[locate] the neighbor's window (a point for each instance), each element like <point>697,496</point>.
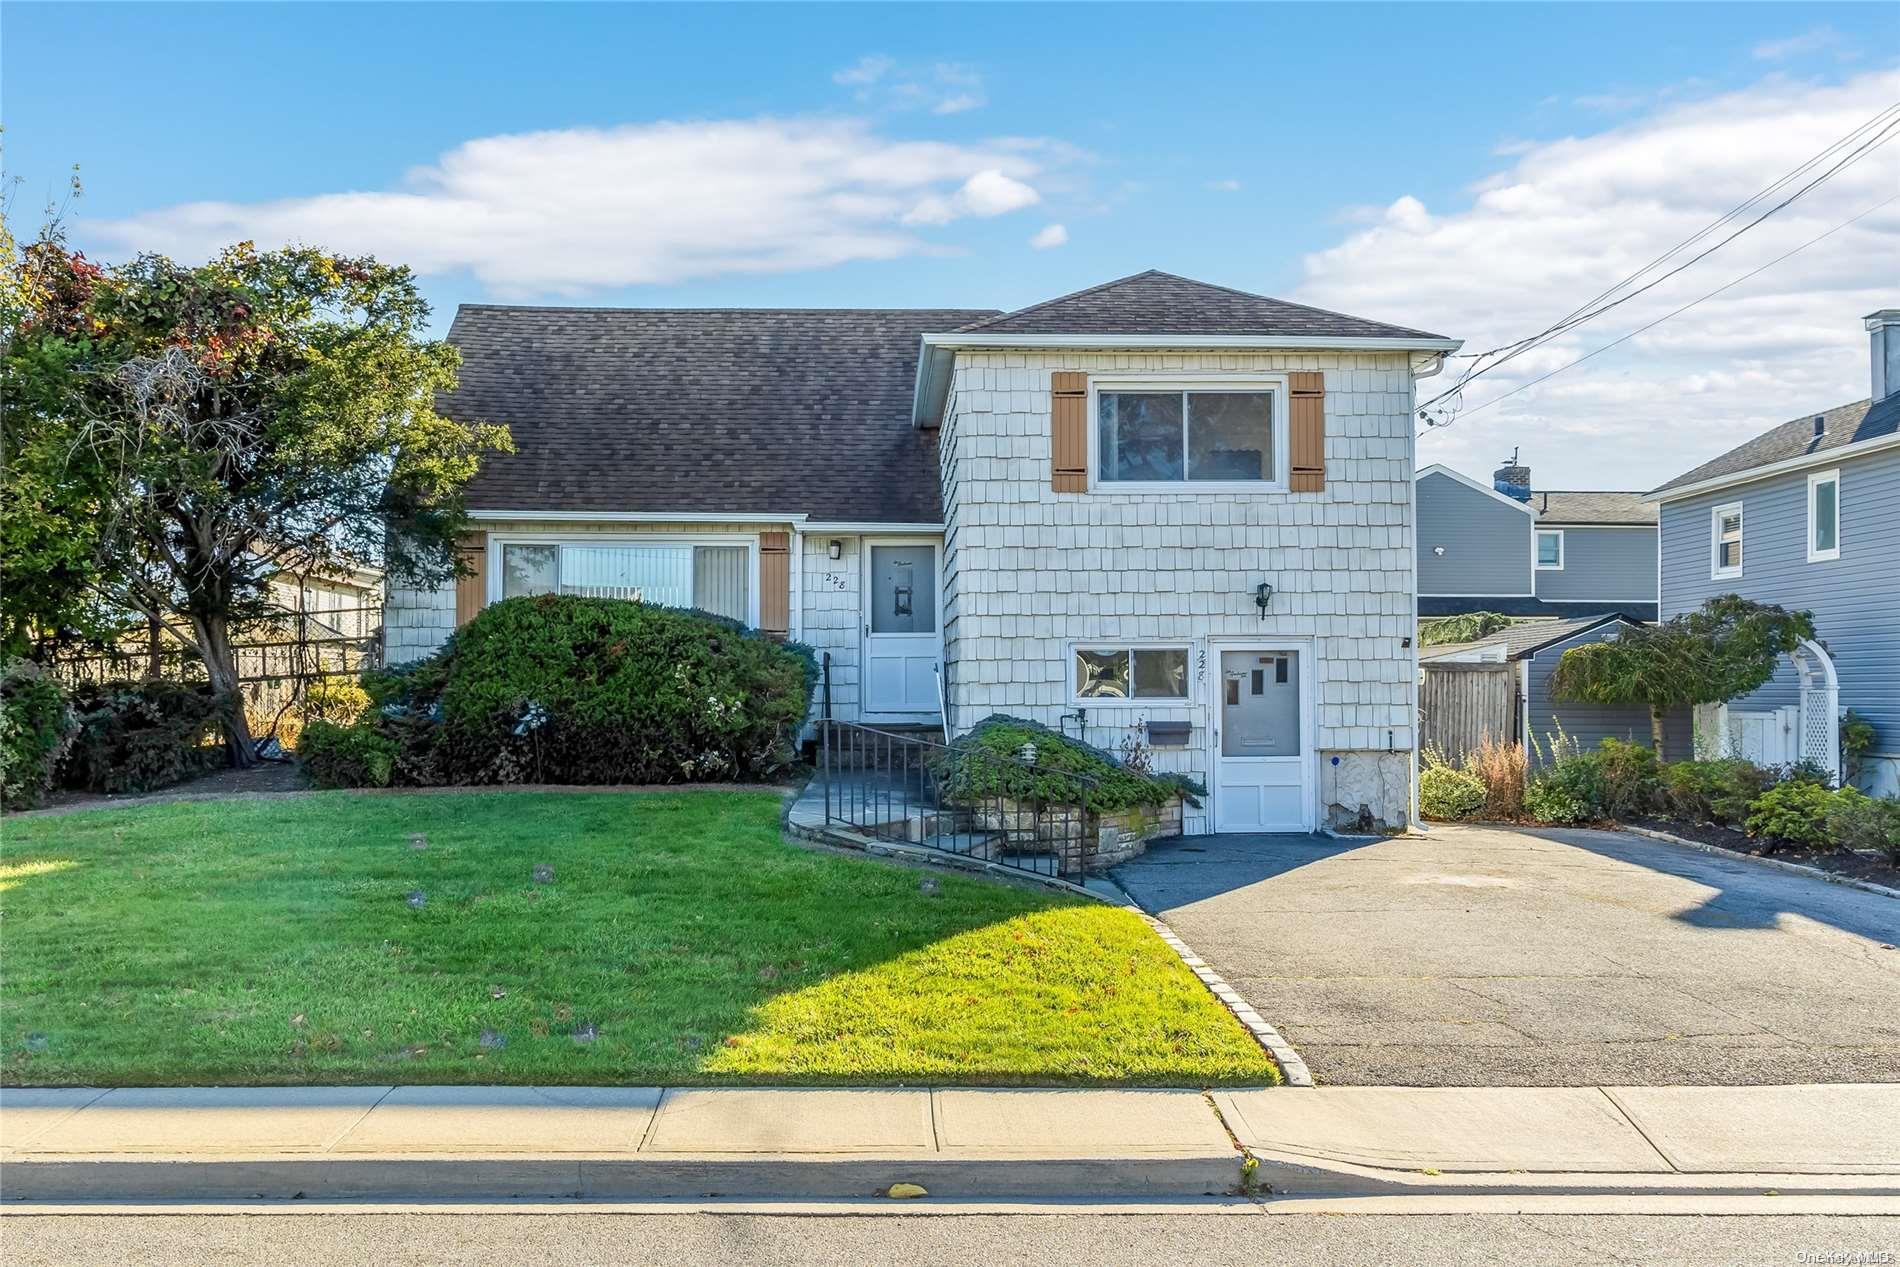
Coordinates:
<point>712,578</point>
<point>1824,516</point>
<point>1112,673</point>
<point>1152,436</point>
<point>1725,527</point>
<point>1550,550</point>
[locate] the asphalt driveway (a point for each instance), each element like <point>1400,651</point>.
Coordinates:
<point>1560,957</point>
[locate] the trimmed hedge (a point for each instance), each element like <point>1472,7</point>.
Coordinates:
<point>1449,794</point>
<point>994,758</point>
<point>565,689</point>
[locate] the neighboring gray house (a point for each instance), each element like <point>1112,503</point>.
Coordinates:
<point>1542,723</point>
<point>1505,548</point>
<point>1152,501</point>
<point>1807,515</point>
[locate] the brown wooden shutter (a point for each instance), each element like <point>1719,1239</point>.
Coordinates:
<point>1307,390</point>
<point>775,583</point>
<point>471,590</point>
<point>1068,432</point>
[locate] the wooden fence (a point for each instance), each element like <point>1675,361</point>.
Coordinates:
<point>1462,703</point>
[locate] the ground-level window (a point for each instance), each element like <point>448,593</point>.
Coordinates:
<point>1133,673</point>
<point>1160,435</point>
<point>713,578</point>
<point>1725,531</point>
<point>1550,549</point>
<point>1824,516</point>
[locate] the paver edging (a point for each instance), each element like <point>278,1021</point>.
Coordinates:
<point>1793,868</point>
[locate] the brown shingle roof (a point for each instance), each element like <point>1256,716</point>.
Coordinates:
<point>1162,303</point>
<point>781,411</point>
<point>1841,426</point>
<point>1560,506</point>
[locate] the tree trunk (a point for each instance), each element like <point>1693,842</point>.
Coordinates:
<point>1656,730</point>
<point>220,659</point>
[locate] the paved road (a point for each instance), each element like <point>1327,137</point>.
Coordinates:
<point>1485,957</point>
<point>574,1239</point>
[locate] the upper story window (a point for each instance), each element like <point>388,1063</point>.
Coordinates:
<point>1824,516</point>
<point>713,578</point>
<point>1105,675</point>
<point>1162,435</point>
<point>1725,540</point>
<point>1550,550</point>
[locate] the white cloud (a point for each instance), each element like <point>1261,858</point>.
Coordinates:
<point>1048,236</point>
<point>1818,40</point>
<point>1571,217</point>
<point>940,87</point>
<point>1223,186</point>
<point>574,211</point>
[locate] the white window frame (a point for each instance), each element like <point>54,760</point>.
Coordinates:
<point>1281,423</point>
<point>1815,480</point>
<point>496,540</point>
<point>1716,515</point>
<point>1130,645</point>
<point>1536,559</point>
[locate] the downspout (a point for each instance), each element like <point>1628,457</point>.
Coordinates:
<point>1435,366</point>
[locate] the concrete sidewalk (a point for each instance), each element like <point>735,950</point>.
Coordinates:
<point>792,1143</point>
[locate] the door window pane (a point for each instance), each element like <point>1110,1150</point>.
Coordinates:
<point>903,589</point>
<point>1826,522</point>
<point>1101,675</point>
<point>1161,673</point>
<point>1262,720</point>
<point>1230,435</point>
<point>1140,435</point>
<point>528,570</point>
<point>719,580</point>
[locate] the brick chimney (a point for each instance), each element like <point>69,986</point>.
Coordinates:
<point>1514,480</point>
<point>1884,329</point>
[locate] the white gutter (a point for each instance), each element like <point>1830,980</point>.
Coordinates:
<point>641,516</point>
<point>1825,457</point>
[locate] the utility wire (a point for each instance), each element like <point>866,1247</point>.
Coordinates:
<point>1666,316</point>
<point>1512,351</point>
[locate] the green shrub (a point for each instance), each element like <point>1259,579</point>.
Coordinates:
<point>36,728</point>
<point>565,689</point>
<point>1856,820</point>
<point>1028,762</point>
<point>347,756</point>
<point>1547,801</point>
<point>1794,812</point>
<point>1580,778</point>
<point>1630,779</point>
<point>1449,794</point>
<point>1718,791</point>
<point>334,699</point>
<point>1857,740</point>
<point>136,736</point>
<point>1466,628</point>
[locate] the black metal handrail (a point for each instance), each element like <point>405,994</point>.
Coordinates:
<point>916,791</point>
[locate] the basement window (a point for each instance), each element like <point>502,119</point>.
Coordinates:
<point>1107,675</point>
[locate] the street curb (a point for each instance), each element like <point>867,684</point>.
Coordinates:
<point>1293,1068</point>
<point>157,1178</point>
<point>1793,868</point>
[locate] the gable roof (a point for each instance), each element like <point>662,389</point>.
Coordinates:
<point>1559,507</point>
<point>1161,303</point>
<point>1439,468</point>
<point>1527,638</point>
<point>1794,440</point>
<point>696,410</point>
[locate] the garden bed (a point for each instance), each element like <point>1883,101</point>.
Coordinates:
<point>1842,862</point>
<point>550,938</point>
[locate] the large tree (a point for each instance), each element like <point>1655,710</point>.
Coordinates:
<point>174,435</point>
<point>1726,648</point>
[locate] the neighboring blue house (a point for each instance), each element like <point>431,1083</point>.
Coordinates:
<point>1506,548</point>
<point>1806,515</point>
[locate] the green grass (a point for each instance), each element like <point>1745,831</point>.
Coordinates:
<point>272,941</point>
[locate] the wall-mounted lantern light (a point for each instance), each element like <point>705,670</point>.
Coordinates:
<point>835,549</point>
<point>1262,596</point>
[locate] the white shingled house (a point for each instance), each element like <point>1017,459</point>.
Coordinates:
<point>1154,508</point>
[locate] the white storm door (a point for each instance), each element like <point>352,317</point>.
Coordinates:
<point>1260,756</point>
<point>903,643</point>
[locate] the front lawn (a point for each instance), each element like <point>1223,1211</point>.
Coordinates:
<point>351,938</point>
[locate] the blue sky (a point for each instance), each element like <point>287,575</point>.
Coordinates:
<point>1240,144</point>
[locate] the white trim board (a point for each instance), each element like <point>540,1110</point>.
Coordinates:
<point>1823,457</point>
<point>1440,469</point>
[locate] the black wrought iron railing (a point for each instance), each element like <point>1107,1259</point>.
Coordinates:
<point>1005,810</point>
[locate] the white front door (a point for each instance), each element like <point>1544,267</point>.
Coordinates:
<point>1260,742</point>
<point>902,641</point>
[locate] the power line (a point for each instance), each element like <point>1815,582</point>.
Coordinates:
<point>1666,316</point>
